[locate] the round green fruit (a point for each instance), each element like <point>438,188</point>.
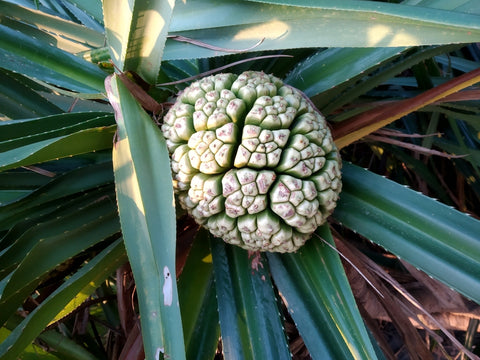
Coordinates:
<point>253,161</point>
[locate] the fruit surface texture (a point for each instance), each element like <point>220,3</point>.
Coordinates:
<point>253,161</point>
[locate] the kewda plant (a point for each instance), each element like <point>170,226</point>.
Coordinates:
<point>253,161</point>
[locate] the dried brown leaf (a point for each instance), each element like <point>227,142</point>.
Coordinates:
<point>446,299</point>
<point>186,230</point>
<point>422,311</point>
<point>133,348</point>
<point>416,148</point>
<point>125,302</point>
<point>396,311</point>
<point>147,102</point>
<point>368,122</point>
<point>397,133</point>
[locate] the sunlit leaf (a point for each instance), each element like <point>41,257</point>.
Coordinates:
<point>136,33</point>
<point>80,142</point>
<point>240,25</point>
<point>350,131</point>
<point>147,213</point>
<point>38,57</point>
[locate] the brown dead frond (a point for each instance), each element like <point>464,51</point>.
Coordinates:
<point>415,148</point>
<point>378,117</point>
<point>405,310</point>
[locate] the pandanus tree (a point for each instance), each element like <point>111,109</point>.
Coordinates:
<point>256,179</point>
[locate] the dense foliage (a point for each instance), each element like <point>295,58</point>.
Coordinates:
<point>96,262</point>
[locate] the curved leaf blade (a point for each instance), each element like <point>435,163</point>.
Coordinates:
<point>319,299</point>
<point>331,67</point>
<point>18,100</point>
<point>63,347</point>
<point>93,8</point>
<point>95,271</point>
<point>18,133</point>
<point>198,303</point>
<point>241,24</point>
<point>41,60</point>
<point>90,217</point>
<point>434,237</point>
<point>80,142</point>
<point>70,237</point>
<point>250,321</point>
<point>369,121</point>
<point>58,191</point>
<point>432,12</point>
<point>147,215</point>
<point>28,128</point>
<point>136,33</point>
<point>53,24</point>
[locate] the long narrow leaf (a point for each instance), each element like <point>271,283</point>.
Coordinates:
<point>52,250</point>
<point>60,189</point>
<point>80,12</point>
<point>147,214</point>
<point>21,180</point>
<point>80,142</point>
<point>95,271</point>
<point>80,219</point>
<point>435,238</point>
<point>331,67</point>
<point>198,303</point>
<point>34,126</point>
<point>136,33</point>
<point>249,317</point>
<point>384,72</point>
<point>15,135</point>
<point>92,8</point>
<point>18,100</point>
<point>61,346</point>
<point>25,54</point>
<point>320,301</point>
<point>53,24</point>
<point>239,25</point>
<point>431,10</point>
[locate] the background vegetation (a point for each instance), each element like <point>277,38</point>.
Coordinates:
<point>91,244</point>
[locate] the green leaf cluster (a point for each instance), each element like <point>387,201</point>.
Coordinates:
<point>85,182</point>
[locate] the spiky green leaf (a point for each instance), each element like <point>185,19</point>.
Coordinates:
<point>250,322</point>
<point>435,238</point>
<point>198,303</point>
<point>319,299</point>
<point>94,272</point>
